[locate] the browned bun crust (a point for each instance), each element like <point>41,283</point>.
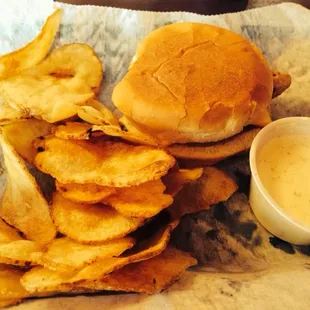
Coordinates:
<point>193,82</point>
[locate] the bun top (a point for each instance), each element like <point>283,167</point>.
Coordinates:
<point>191,82</point>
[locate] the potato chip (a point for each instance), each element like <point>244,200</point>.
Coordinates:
<point>20,253</point>
<point>134,131</point>
<point>84,193</point>
<point>22,204</point>
<point>41,279</point>
<point>212,187</point>
<point>145,249</point>
<point>175,180</point>
<point>21,134</point>
<point>213,153</point>
<point>143,201</point>
<point>34,52</point>
<point>223,185</point>
<point>45,97</point>
<point>90,223</point>
<point>52,89</point>
<point>95,112</point>
<point>8,233</point>
<point>74,59</point>
<point>10,115</point>
<point>73,131</point>
<point>149,276</point>
<point>116,131</point>
<point>66,255</point>
<point>10,286</point>
<point>104,163</point>
<point>5,302</point>
<point>281,82</point>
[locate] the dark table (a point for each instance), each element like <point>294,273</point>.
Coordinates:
<point>198,6</point>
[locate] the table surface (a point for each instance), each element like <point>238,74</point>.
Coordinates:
<point>198,6</point>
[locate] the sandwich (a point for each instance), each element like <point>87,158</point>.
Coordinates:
<point>197,83</point>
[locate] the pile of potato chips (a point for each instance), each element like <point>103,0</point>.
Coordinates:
<point>117,196</point>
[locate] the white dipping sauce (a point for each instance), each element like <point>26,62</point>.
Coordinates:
<point>283,165</point>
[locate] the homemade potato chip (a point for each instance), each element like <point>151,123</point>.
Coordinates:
<point>143,250</point>
<point>104,163</point>
<point>10,115</point>
<point>72,131</point>
<point>95,112</point>
<point>143,201</point>
<point>149,276</point>
<point>34,52</point>
<point>47,97</point>
<point>216,185</point>
<point>146,248</point>
<point>52,89</point>
<point>21,134</point>
<point>281,82</point>
<point>84,193</point>
<point>10,286</point>
<point>90,223</point>
<point>8,233</point>
<point>65,254</point>
<point>116,131</point>
<point>5,302</point>
<point>22,204</point>
<point>134,131</point>
<point>20,253</point>
<point>74,60</point>
<point>213,153</point>
<point>175,180</point>
<point>41,279</point>
<point>212,187</point>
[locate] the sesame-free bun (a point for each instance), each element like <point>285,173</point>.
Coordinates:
<point>191,82</point>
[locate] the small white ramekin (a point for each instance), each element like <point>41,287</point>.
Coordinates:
<point>268,213</point>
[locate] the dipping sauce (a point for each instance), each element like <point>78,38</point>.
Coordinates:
<point>283,165</point>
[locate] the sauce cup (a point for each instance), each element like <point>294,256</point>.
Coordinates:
<point>267,211</point>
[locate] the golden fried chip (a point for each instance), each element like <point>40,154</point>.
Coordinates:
<point>137,134</point>
<point>66,255</point>
<point>10,115</point>
<point>53,89</point>
<point>21,134</point>
<point>22,204</point>
<point>74,59</point>
<point>34,52</point>
<point>41,279</point>
<point>143,250</point>
<point>72,131</point>
<point>8,233</point>
<point>5,302</point>
<point>50,98</point>
<point>175,180</point>
<point>90,223</point>
<point>216,185</point>
<point>84,193</point>
<point>213,153</point>
<point>149,276</point>
<point>95,112</point>
<point>10,286</point>
<point>103,162</point>
<point>143,201</point>
<point>281,82</point>
<point>116,131</point>
<point>212,187</point>
<point>20,253</point>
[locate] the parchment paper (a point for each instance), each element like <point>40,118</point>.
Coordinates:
<point>244,267</point>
